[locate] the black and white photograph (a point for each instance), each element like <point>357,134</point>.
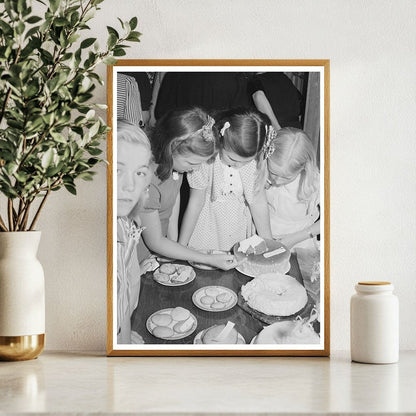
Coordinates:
<point>217,216</point>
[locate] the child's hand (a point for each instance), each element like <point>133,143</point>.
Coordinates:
<point>289,240</point>
<point>222,261</point>
<point>149,265</point>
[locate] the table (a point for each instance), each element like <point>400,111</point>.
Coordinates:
<point>88,383</point>
<point>154,297</point>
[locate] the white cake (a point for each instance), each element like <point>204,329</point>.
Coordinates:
<point>275,294</point>
<point>287,332</point>
<point>261,256</point>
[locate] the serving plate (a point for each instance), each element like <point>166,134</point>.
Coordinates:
<point>171,282</point>
<point>176,335</point>
<point>198,338</point>
<point>196,298</point>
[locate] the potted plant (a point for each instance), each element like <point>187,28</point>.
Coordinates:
<point>50,136</point>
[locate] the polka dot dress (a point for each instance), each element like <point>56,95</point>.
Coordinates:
<point>225,217</point>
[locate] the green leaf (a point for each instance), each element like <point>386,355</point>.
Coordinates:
<point>61,21</point>
<point>60,138</point>
<point>54,4</point>
<point>31,31</point>
<point>7,29</point>
<point>74,18</point>
<point>20,28</point>
<point>94,151</point>
<point>90,115</point>
<point>21,6</point>
<point>133,38</point>
<point>87,42</point>
<point>73,38</point>
<point>133,23</point>
<point>112,31</point>
<point>21,177</point>
<point>47,158</point>
<point>110,60</point>
<point>119,52</point>
<point>11,168</point>
<point>112,41</point>
<point>86,176</point>
<point>33,19</point>
<point>94,129</point>
<point>70,188</point>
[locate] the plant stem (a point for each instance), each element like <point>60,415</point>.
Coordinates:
<point>10,213</point>
<point>2,225</point>
<point>21,212</point>
<point>26,216</point>
<point>39,209</point>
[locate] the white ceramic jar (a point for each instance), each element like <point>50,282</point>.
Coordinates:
<point>374,323</point>
<point>22,296</point>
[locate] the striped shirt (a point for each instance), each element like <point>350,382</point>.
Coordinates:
<point>128,100</point>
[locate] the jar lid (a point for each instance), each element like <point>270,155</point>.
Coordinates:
<point>371,287</point>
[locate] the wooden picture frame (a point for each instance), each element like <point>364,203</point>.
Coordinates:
<point>311,79</point>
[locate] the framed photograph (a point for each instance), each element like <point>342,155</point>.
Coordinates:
<point>218,208</point>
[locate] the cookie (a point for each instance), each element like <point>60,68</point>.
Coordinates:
<point>180,314</point>
<point>162,319</point>
<point>182,277</point>
<point>212,291</point>
<point>161,277</point>
<point>162,332</point>
<point>182,267</point>
<point>183,326</point>
<point>167,268</point>
<point>217,305</point>
<point>207,300</point>
<point>224,297</point>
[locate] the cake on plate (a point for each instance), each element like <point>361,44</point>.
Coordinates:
<point>275,294</point>
<point>220,334</point>
<point>261,256</point>
<point>287,332</point>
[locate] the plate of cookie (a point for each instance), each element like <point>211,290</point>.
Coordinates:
<point>214,298</point>
<point>171,274</point>
<point>171,323</point>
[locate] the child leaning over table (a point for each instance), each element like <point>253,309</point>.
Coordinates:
<point>133,178</point>
<point>227,201</point>
<point>293,195</point>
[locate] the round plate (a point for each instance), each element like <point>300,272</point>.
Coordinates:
<point>201,292</point>
<point>198,337</point>
<point>284,271</point>
<point>203,266</point>
<point>170,283</point>
<point>151,326</point>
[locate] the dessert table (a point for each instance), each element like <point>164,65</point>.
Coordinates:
<point>154,297</point>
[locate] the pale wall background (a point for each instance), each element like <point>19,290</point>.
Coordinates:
<point>371,45</point>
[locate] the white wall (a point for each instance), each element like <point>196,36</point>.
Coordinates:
<point>371,45</point>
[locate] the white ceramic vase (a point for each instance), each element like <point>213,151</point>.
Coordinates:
<point>22,296</point>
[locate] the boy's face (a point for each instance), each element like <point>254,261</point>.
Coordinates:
<point>133,175</point>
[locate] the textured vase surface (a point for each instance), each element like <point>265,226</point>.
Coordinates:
<point>22,296</point>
